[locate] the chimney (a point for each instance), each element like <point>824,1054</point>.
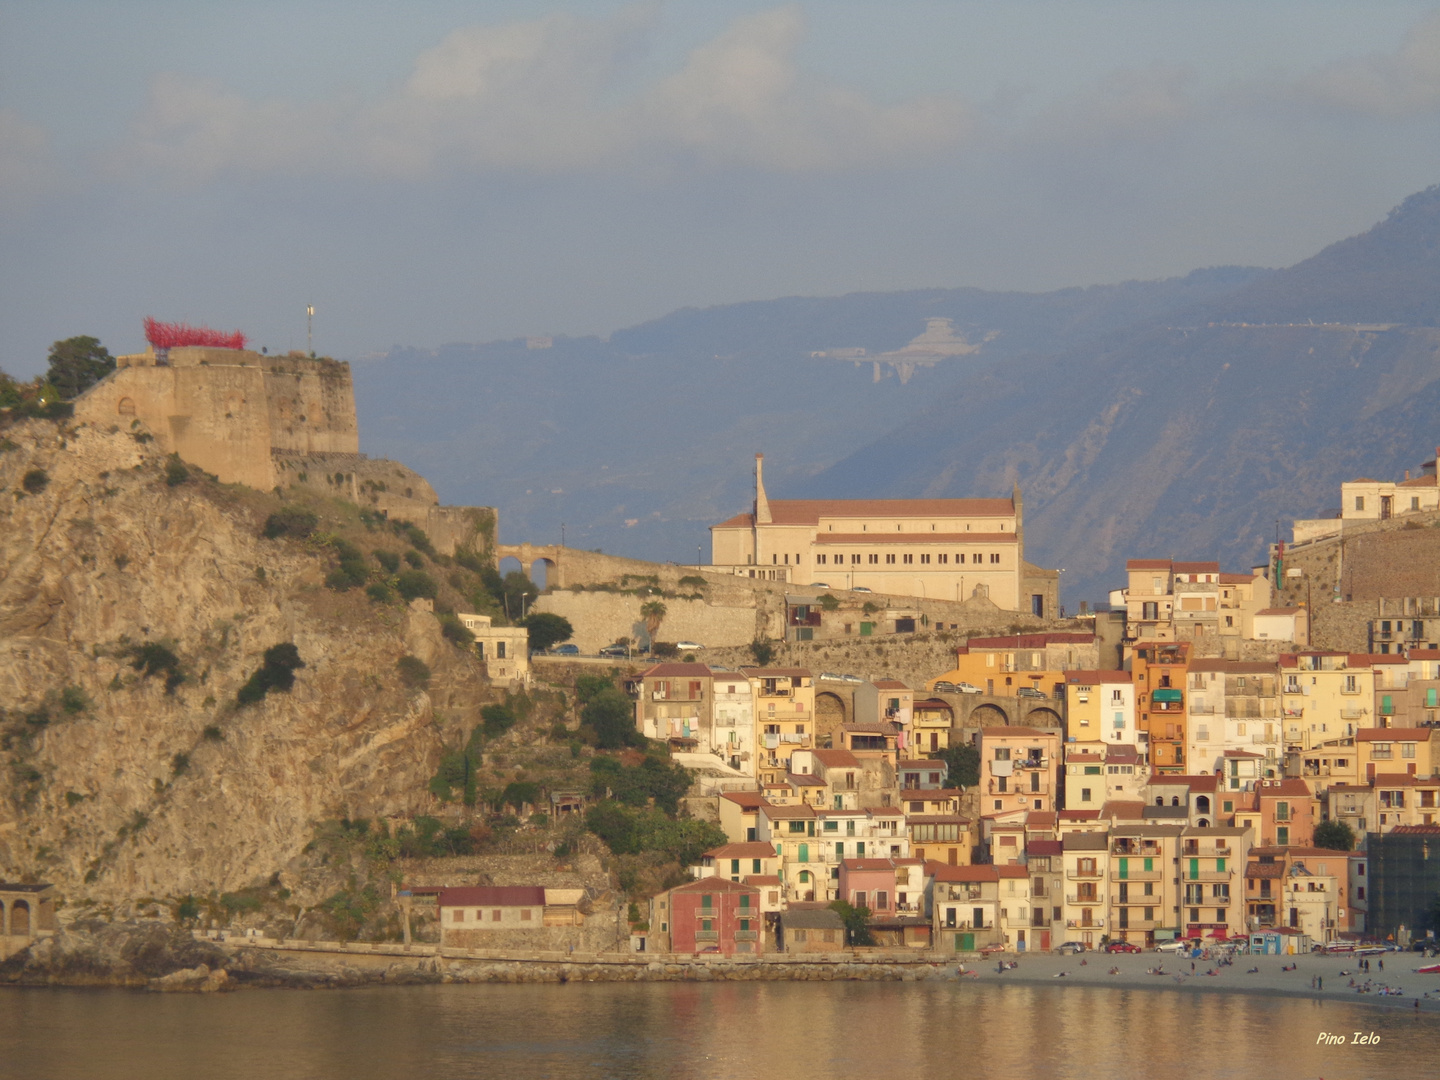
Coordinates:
<point>762,504</point>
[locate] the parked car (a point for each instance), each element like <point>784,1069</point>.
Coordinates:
<point>1029,691</point>
<point>967,688</point>
<point>688,646</point>
<point>943,687</point>
<point>861,588</point>
<point>819,585</point>
<point>615,651</point>
<point>565,650</point>
<point>831,676</point>
<point>1122,946</point>
<point>1179,945</point>
<point>851,679</point>
<point>1072,947</point>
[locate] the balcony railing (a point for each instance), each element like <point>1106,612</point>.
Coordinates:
<point>1081,899</point>
<point>1137,924</point>
<point>707,935</point>
<point>1209,875</point>
<point>744,935</point>
<point>1081,924</point>
<point>1084,875</point>
<point>1134,875</point>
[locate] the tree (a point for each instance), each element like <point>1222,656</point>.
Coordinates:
<point>611,716</point>
<point>76,364</point>
<point>1335,835</point>
<point>856,920</point>
<point>964,762</point>
<point>763,652</point>
<point>517,592</point>
<point>546,629</point>
<point>653,612</point>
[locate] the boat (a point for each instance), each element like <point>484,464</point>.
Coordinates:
<point>1428,969</point>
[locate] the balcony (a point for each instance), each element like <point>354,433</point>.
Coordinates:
<point>1202,710</point>
<point>1132,850</point>
<point>740,935</point>
<point>1209,875</point>
<point>1082,899</point>
<point>1083,875</point>
<point>1135,875</point>
<point>707,936</point>
<point>1137,924</point>
<point>1352,713</point>
<point>1080,924</point>
<point>1033,763</point>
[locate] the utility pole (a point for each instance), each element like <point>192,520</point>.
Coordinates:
<point>309,328</point>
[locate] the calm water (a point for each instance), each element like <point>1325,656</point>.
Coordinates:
<point>858,1031</point>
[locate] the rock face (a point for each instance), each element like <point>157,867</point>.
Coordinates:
<point>116,789</point>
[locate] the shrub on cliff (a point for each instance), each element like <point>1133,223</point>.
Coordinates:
<point>414,672</point>
<point>456,632</point>
<point>635,831</point>
<point>175,471</point>
<point>290,521</point>
<point>546,629</point>
<point>635,785</point>
<point>388,560</point>
<point>154,658</point>
<point>277,672</point>
<point>415,584</point>
<point>35,481</point>
<point>610,716</point>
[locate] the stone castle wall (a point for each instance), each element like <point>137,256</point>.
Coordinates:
<point>226,410</point>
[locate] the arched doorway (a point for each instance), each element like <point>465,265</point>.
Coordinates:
<point>1043,717</point>
<point>830,713</point>
<point>988,715</point>
<point>19,918</point>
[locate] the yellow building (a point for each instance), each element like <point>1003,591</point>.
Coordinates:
<point>784,718</point>
<point>941,549</point>
<point>1100,707</point>
<point>1035,663</point>
<point>1322,698</point>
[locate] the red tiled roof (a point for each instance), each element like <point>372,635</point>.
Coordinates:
<point>886,539</point>
<point>492,896</point>
<point>1085,676</point>
<point>750,800</point>
<point>837,759</point>
<point>677,671</point>
<point>1147,564</point>
<point>753,849</point>
<point>1044,847</point>
<point>761,879</point>
<point>868,864</point>
<point>1197,567</point>
<point>1393,734</point>
<point>714,884</point>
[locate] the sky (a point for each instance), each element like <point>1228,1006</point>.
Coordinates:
<point>450,171</point>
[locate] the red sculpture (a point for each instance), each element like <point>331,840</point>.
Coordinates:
<point>173,335</point>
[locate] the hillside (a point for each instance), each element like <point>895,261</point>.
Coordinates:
<point>125,779</point>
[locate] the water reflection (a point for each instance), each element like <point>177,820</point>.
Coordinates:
<point>683,1031</point>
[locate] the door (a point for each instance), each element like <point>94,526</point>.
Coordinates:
<point>964,942</point>
<point>1044,940</point>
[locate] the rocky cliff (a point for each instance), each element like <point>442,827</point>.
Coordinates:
<point>119,784</point>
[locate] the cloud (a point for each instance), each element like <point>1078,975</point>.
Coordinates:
<point>1126,105</point>
<point>543,96</point>
<point>1403,83</point>
<point>28,168</point>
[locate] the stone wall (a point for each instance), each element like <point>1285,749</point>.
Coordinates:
<point>599,618</point>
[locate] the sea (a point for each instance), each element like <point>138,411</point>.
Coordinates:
<point>678,1031</point>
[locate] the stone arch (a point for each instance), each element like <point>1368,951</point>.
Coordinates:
<point>542,572</point>
<point>830,713</point>
<point>1043,717</point>
<point>1174,800</point>
<point>988,714</point>
<point>125,406</point>
<point>1204,823</point>
<point>20,918</point>
<point>510,565</point>
<point>1202,804</point>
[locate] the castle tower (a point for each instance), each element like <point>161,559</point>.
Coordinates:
<point>762,504</point>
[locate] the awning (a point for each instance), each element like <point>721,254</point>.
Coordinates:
<point>1166,695</point>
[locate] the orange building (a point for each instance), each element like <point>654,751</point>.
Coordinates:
<point>1159,668</point>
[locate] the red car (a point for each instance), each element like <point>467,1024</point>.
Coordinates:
<point>1122,946</point>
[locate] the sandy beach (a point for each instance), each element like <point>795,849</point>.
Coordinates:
<point>1334,972</point>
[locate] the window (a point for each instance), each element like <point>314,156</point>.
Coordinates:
<point>994,556</point>
<point>924,558</point>
<point>1085,794</point>
<point>959,558</point>
<point>820,559</point>
<point>876,558</point>
<point>458,916</point>
<point>889,559</point>
<point>1359,502</point>
<point>943,558</point>
<point>1407,749</point>
<point>499,650</point>
<point>525,915</point>
<point>909,559</point>
<point>854,560</point>
<point>495,915</point>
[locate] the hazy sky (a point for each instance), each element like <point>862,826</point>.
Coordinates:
<point>450,171</point>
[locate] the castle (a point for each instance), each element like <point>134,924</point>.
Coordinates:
<point>271,422</point>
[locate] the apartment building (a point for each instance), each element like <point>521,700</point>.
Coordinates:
<point>1406,624</point>
<point>1322,698</point>
<point>1232,705</point>
<point>1143,887</point>
<point>1086,857</point>
<point>1018,768</point>
<point>1159,669</point>
<point>784,717</point>
<point>1100,707</point>
<point>1212,875</point>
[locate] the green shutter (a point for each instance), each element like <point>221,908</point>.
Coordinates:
<point>1194,869</point>
<point>1430,697</point>
<point>1220,866</point>
<point>1149,865</point>
<point>1124,869</point>
<point>804,852</point>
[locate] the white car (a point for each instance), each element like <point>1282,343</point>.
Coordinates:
<point>819,585</point>
<point>851,679</point>
<point>968,688</point>
<point>688,646</point>
<point>831,676</point>
<point>1178,946</point>
<point>861,588</point>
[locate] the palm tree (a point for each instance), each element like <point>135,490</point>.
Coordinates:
<point>653,612</point>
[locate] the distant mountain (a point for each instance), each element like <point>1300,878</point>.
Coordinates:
<point>639,443</point>
<point>1179,417</point>
<point>1191,436</point>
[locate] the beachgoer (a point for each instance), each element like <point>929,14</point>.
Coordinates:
<point>1319,983</point>
<point>1382,963</point>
